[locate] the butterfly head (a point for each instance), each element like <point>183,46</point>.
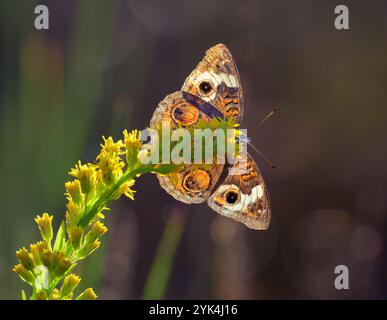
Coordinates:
<point>242,138</point>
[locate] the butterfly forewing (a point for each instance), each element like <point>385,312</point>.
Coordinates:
<point>216,80</point>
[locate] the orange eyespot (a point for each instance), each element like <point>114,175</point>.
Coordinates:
<point>197,181</point>
<point>206,87</point>
<point>185,114</point>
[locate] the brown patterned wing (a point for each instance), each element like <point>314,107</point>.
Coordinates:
<point>188,185</point>
<point>243,197</point>
<point>216,80</point>
<point>213,89</point>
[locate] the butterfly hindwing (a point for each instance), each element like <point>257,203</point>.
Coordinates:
<point>189,184</point>
<point>243,196</point>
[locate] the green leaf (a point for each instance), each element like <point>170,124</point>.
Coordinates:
<point>60,238</point>
<point>23,294</point>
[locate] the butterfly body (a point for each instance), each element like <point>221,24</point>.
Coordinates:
<point>213,90</point>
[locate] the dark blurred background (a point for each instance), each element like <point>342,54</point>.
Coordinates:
<point>103,66</point>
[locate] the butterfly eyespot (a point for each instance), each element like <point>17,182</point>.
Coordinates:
<point>197,181</point>
<point>185,114</point>
<point>231,197</point>
<point>206,87</point>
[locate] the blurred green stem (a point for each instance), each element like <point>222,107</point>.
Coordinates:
<point>156,283</point>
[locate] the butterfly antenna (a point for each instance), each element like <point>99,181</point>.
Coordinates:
<point>268,116</point>
<point>271,164</point>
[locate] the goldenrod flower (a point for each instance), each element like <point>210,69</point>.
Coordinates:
<point>125,189</point>
<point>132,139</point>
<point>37,250</point>
<point>129,192</point>
<point>41,295</point>
<point>133,143</point>
<point>35,253</point>
<point>76,236</point>
<point>109,161</point>
<point>55,294</point>
<point>88,248</point>
<point>24,274</point>
<point>88,294</point>
<point>58,264</point>
<point>72,214</point>
<point>25,258</point>
<point>110,167</point>
<point>69,284</point>
<point>111,147</point>
<point>85,173</point>
<point>101,215</point>
<point>94,186</point>
<point>68,297</point>
<point>73,189</point>
<point>96,231</point>
<point>45,226</point>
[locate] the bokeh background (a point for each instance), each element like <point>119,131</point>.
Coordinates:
<point>103,66</point>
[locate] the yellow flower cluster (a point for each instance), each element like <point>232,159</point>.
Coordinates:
<point>42,266</point>
<point>48,264</point>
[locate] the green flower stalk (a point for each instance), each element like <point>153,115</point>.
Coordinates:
<point>48,264</point>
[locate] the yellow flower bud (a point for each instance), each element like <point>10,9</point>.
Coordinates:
<point>88,248</point>
<point>41,295</point>
<point>111,147</point>
<point>25,258</point>
<point>88,294</point>
<point>86,174</point>
<point>129,192</point>
<point>68,297</point>
<point>46,257</point>
<point>100,215</point>
<point>69,284</point>
<point>110,167</point>
<point>44,223</point>
<point>76,236</point>
<point>132,144</point>
<point>59,264</point>
<point>34,248</point>
<point>72,214</point>
<point>24,274</point>
<point>96,231</point>
<point>37,250</point>
<point>132,139</point>
<point>55,295</point>
<point>73,189</point>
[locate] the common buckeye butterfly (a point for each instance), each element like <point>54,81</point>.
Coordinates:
<point>213,89</point>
